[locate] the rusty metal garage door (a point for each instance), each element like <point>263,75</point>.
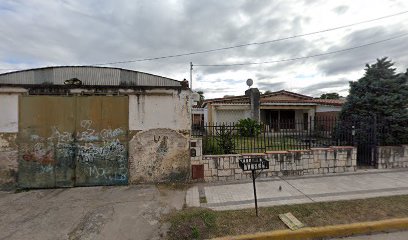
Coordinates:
<point>72,141</point>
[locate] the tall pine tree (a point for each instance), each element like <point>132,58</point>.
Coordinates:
<point>380,94</point>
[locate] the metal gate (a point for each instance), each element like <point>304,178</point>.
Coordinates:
<point>362,133</point>
<point>366,142</point>
<point>67,141</point>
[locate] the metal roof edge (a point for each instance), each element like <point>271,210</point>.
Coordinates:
<point>84,66</point>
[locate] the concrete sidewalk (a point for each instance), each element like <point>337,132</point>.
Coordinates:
<point>306,189</point>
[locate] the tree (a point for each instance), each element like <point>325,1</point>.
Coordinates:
<point>330,96</point>
<point>380,94</point>
<point>202,98</point>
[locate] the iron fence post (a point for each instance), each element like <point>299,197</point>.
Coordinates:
<point>256,200</point>
<point>375,143</point>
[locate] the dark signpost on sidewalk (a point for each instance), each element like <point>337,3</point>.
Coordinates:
<point>252,164</point>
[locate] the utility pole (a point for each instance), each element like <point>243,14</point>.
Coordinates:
<point>191,75</point>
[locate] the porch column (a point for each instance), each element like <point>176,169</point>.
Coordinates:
<point>254,97</point>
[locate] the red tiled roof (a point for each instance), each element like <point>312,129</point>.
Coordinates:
<point>287,93</point>
<point>336,102</point>
<point>333,102</point>
<point>241,98</point>
<point>299,99</point>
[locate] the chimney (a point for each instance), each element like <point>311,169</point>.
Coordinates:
<point>254,98</point>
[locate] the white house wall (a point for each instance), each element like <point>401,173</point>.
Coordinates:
<point>226,114</point>
<point>323,108</point>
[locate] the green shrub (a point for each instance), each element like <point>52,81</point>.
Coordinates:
<point>221,142</point>
<point>210,146</point>
<point>225,140</point>
<point>248,127</point>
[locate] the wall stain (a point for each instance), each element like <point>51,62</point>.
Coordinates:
<point>165,160</point>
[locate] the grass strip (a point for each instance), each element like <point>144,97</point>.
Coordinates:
<point>200,223</point>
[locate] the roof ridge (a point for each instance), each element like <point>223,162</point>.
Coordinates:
<point>288,93</point>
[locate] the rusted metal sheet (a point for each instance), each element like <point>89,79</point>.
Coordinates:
<point>145,79</point>
<point>102,128</point>
<point>46,142</point>
<point>67,141</point>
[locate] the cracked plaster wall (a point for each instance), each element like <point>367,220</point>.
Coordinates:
<point>159,124</point>
<point>8,140</point>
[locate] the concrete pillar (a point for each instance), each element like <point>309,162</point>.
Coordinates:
<point>254,98</point>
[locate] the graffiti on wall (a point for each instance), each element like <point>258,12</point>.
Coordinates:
<point>99,154</point>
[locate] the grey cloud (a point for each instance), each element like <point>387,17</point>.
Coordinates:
<point>356,60</point>
<point>99,31</point>
<point>264,76</point>
<point>271,86</point>
<point>323,87</point>
<point>340,9</point>
<point>37,33</point>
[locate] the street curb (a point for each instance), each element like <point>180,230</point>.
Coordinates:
<point>328,231</point>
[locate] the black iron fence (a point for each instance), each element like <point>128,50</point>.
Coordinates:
<point>229,138</point>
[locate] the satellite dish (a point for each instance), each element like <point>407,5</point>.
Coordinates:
<point>249,82</point>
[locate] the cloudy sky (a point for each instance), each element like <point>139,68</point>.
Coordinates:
<point>38,33</point>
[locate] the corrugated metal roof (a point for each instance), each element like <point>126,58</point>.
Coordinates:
<point>89,75</point>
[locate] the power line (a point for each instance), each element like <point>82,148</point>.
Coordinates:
<point>241,45</point>
<point>251,44</point>
<point>305,57</point>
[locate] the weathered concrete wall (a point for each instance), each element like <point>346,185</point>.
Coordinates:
<point>160,109</point>
<point>9,113</point>
<point>159,155</point>
<point>8,140</point>
<point>150,114</point>
<point>281,163</point>
<point>8,160</point>
<point>159,124</point>
<point>392,156</point>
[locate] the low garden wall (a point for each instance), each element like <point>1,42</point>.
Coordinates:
<point>281,163</point>
<point>392,156</point>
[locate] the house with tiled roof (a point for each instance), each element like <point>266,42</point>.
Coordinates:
<point>280,109</point>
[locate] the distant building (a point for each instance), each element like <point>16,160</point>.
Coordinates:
<point>281,109</point>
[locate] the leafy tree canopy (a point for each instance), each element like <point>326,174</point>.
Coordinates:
<point>330,96</point>
<point>202,98</point>
<point>380,94</point>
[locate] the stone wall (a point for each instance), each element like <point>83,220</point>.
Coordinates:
<point>281,163</point>
<point>392,156</point>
